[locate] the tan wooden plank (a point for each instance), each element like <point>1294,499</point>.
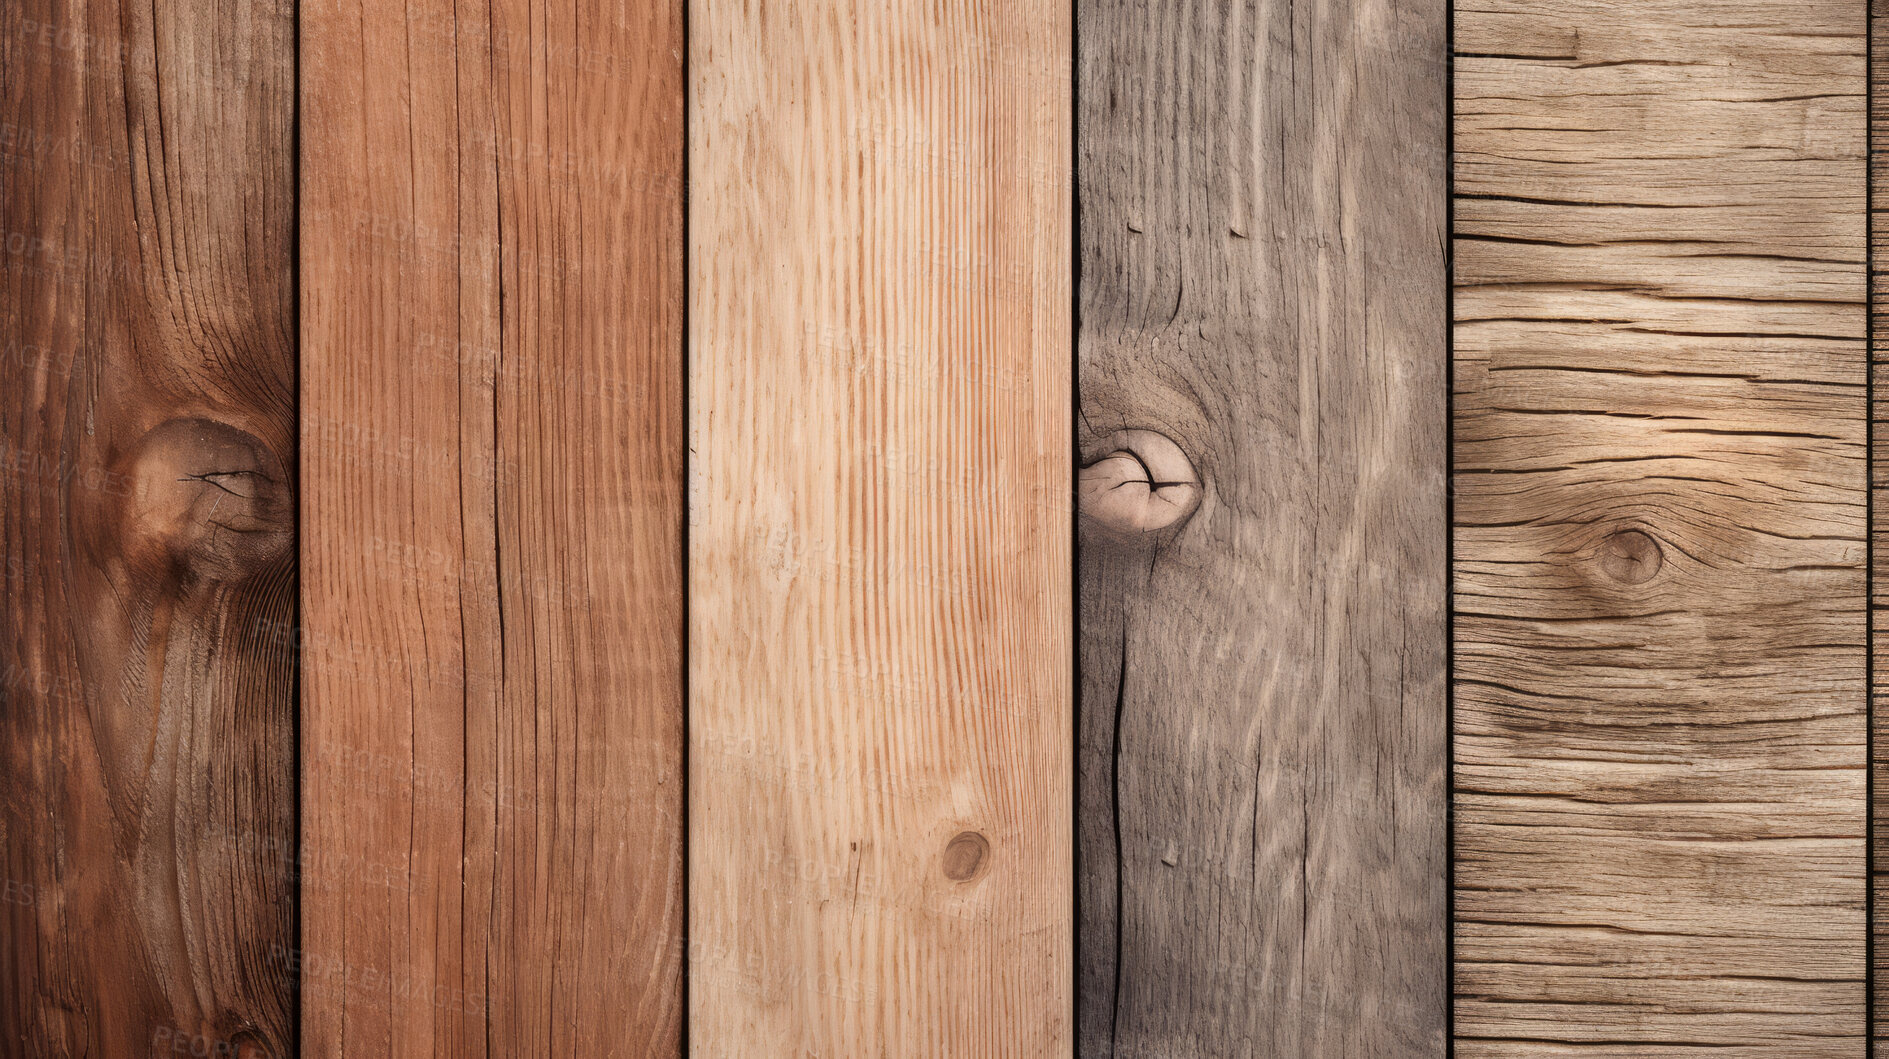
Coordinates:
<point>1879,516</point>
<point>147,446</point>
<point>1262,854</point>
<point>492,454</point>
<point>1660,464</point>
<point>880,582</point>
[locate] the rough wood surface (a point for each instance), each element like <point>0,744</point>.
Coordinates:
<point>1660,528</point>
<point>880,583</point>
<point>1263,739</point>
<point>1879,511</point>
<point>493,518</point>
<point>146,506</point>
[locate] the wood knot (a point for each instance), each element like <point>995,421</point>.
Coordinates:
<point>964,856</point>
<point>1142,483</point>
<point>205,498</point>
<point>1631,557</point>
<point>248,1044</point>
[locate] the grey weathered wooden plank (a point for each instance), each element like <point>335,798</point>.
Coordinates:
<point>1263,735</point>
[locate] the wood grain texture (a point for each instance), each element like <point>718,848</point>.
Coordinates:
<point>147,739</point>
<point>1878,146</point>
<point>1660,672</point>
<point>880,582</point>
<point>1262,859</point>
<point>493,451</point>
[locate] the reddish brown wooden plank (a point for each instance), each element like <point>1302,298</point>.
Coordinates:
<point>492,418</point>
<point>146,507</point>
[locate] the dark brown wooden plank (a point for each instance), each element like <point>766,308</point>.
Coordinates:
<point>1660,489</point>
<point>493,452</point>
<point>1262,780</point>
<point>147,507</point>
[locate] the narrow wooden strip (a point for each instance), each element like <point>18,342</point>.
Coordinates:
<point>493,453</point>
<point>880,583</point>
<point>1262,851</point>
<point>1660,465</point>
<point>1879,515</point>
<point>147,458</point>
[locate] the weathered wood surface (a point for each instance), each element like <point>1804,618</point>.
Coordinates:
<point>147,455</point>
<point>1879,511</point>
<point>1660,672</point>
<point>880,583</point>
<point>1262,862</point>
<point>493,528</point>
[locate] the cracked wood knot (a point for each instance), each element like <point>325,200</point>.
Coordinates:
<point>1631,557</point>
<point>205,497</point>
<point>1142,483</point>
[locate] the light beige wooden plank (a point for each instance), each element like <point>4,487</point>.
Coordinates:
<point>880,583</point>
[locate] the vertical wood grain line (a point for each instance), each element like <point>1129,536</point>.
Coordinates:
<point>494,525</point>
<point>879,560</point>
<point>147,461</point>
<point>1263,759</point>
<point>1662,528</point>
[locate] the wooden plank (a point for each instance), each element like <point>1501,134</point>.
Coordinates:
<point>1878,147</point>
<point>1660,672</point>
<point>493,453</point>
<point>880,582</point>
<point>1263,750</point>
<point>146,505</point>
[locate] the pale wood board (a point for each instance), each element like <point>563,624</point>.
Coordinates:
<point>880,582</point>
<point>493,528</point>
<point>1660,473</point>
<point>147,456</point>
